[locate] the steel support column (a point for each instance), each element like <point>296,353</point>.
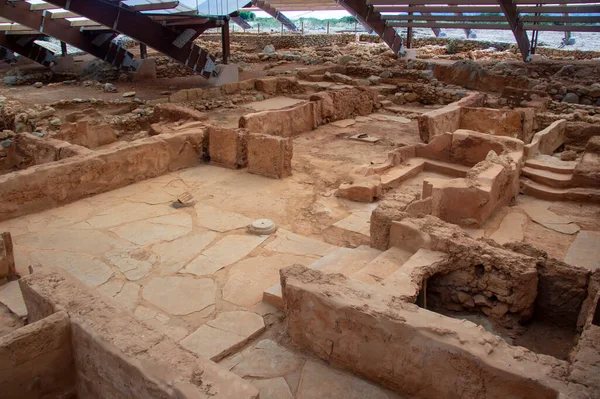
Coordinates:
<point>97,43</point>
<point>512,16</point>
<point>272,11</point>
<point>176,41</point>
<point>226,42</point>
<point>25,46</point>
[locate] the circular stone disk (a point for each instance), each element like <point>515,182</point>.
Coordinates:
<point>263,227</point>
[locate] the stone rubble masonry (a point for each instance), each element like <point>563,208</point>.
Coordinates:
<point>323,108</point>
<point>228,147</point>
<point>270,156</point>
<point>37,360</point>
<point>29,150</point>
<point>50,185</point>
<point>410,350</point>
<point>587,171</point>
<point>86,135</point>
<point>116,355</point>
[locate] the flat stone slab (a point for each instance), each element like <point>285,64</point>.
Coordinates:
<point>85,267</point>
<point>134,263</point>
<point>357,222</point>
<point>344,123</point>
<point>127,213</point>
<point>128,296</point>
<point>163,228</point>
<point>288,242</point>
<point>222,221</point>
<point>273,388</point>
<point>511,229</point>
<point>274,103</point>
<point>227,251</point>
<point>390,118</point>
<point>85,241</point>
<point>250,277</point>
<point>540,214</point>
<point>319,381</point>
<point>180,296</point>
<point>175,254</point>
<point>585,250</point>
<point>12,298</point>
<point>223,335</point>
<point>267,359</point>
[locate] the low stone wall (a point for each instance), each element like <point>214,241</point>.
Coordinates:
<point>412,351</point>
<point>546,141</point>
<point>286,41</point>
<point>116,355</point>
<point>49,185</point>
<point>28,150</point>
<point>36,360</point>
<point>287,122</point>
<point>516,123</point>
<point>587,171</point>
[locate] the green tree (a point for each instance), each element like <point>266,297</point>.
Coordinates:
<point>348,20</point>
<point>247,15</point>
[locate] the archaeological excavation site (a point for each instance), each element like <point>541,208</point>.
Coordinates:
<point>279,199</point>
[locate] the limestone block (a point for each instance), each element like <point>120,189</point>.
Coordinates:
<point>492,121</point>
<point>284,123</point>
<point>172,112</point>
<point>227,75</point>
<point>228,147</point>
<point>270,156</point>
<point>444,120</point>
<point>268,85</point>
<point>361,190</point>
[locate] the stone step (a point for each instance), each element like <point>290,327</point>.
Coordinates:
<point>343,260</point>
<point>406,280</point>
<point>382,266</point>
<point>561,167</point>
<point>542,191</point>
<point>556,180</point>
<point>395,176</point>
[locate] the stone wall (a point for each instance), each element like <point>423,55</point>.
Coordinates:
<point>286,122</point>
<point>547,140</point>
<point>49,185</point>
<point>36,360</point>
<point>28,150</point>
<point>587,171</point>
<point>116,355</point>
<point>412,351</point>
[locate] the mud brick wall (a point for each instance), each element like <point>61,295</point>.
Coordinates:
<point>36,360</point>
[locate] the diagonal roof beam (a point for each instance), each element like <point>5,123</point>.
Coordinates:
<point>97,43</point>
<point>241,22</point>
<point>278,15</point>
<point>174,42</point>
<point>371,17</point>
<point>512,16</point>
<point>25,46</point>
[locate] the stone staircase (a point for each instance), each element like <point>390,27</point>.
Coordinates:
<point>551,179</point>
<point>390,270</point>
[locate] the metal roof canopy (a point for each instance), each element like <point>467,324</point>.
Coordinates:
<point>90,25</point>
<point>384,16</point>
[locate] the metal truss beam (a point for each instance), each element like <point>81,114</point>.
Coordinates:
<point>176,41</point>
<point>241,22</point>
<point>97,43</point>
<point>372,18</point>
<point>512,16</point>
<point>278,15</point>
<point>25,46</point>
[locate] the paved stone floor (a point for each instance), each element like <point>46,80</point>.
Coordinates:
<point>194,274</point>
